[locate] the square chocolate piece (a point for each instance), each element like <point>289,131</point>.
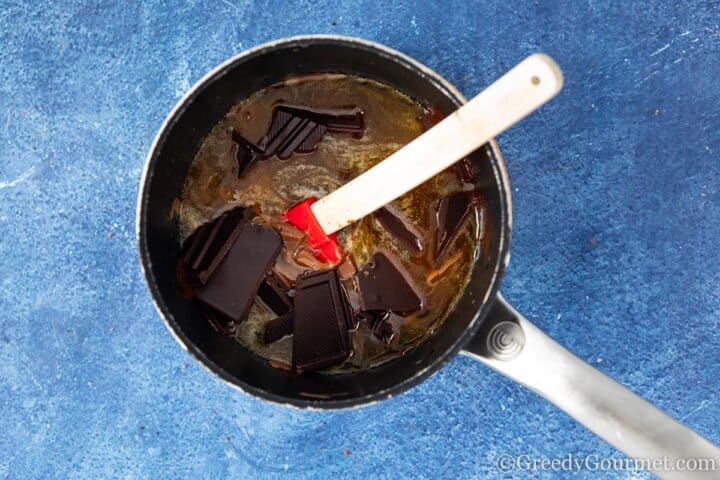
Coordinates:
<point>321,321</point>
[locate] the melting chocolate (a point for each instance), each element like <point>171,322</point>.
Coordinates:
<point>466,170</point>
<point>430,117</point>
<point>290,132</point>
<point>293,237</point>
<point>371,317</point>
<point>231,263</point>
<point>346,268</point>
<point>286,269</point>
<point>321,321</point>
<point>451,213</point>
<point>400,229</point>
<point>376,321</point>
<point>296,130</point>
<point>222,327</point>
<point>384,331</point>
<point>469,169</point>
<point>384,286</point>
<point>274,295</point>
<point>280,327</point>
<point>209,244</point>
<point>246,153</point>
<point>335,120</point>
<point>242,144</point>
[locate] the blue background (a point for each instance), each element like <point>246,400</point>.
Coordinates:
<point>615,248</point>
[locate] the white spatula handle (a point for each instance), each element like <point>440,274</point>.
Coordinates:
<point>522,90</point>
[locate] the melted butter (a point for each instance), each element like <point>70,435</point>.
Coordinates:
<point>271,186</point>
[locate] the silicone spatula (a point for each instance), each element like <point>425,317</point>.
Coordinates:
<point>511,98</point>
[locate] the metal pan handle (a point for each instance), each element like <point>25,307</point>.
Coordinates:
<point>513,346</point>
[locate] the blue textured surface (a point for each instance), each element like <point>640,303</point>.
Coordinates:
<point>615,253</point>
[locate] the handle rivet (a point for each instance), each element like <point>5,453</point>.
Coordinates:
<point>505,340</point>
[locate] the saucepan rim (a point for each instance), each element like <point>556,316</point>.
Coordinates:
<point>427,74</point>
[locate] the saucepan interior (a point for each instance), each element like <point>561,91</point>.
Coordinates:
<point>168,163</point>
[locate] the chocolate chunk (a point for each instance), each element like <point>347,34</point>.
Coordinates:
<point>451,213</point>
<point>352,303</point>
<point>292,237</point>
<point>376,321</point>
<point>346,268</point>
<point>246,153</point>
<point>400,229</point>
<point>465,170</point>
<point>307,258</point>
<point>298,129</point>
<point>321,325</point>
<point>430,117</point>
<point>231,288</point>
<point>338,120</point>
<point>384,331</point>
<point>350,320</point>
<point>377,316</point>
<point>311,140</point>
<point>371,317</point>
<point>273,294</point>
<point>288,132</point>
<point>286,270</point>
<point>280,327</point>
<point>209,243</point>
<point>384,285</point>
<point>335,120</point>
<point>470,169</point>
<point>221,325</point>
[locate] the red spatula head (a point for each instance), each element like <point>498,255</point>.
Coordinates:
<point>326,247</point>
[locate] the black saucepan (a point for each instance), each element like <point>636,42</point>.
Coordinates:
<point>482,323</point>
<point>168,164</point>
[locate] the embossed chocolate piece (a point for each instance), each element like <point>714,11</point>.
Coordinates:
<point>296,130</point>
<point>229,258</point>
<point>321,322</point>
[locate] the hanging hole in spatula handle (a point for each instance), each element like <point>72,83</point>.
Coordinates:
<point>525,88</point>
